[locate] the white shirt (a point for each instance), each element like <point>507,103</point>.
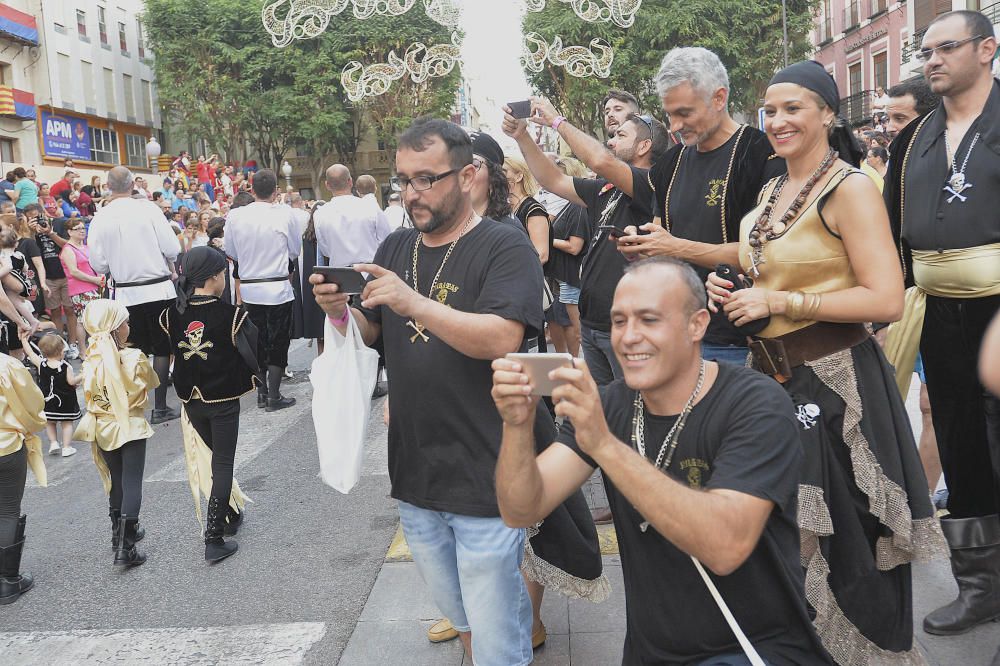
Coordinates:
<point>261,236</point>
<point>396,216</point>
<point>349,230</point>
<point>132,240</point>
<point>301,218</point>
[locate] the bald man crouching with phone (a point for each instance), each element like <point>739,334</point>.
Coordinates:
<point>699,459</point>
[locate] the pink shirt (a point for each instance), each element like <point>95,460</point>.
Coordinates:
<point>74,285</point>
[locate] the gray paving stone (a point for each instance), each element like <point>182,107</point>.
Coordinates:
<point>378,643</point>
<point>599,649</point>
<point>555,652</point>
<point>399,594</point>
<point>586,617</point>
<point>555,614</point>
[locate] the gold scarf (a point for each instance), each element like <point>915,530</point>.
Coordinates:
<point>967,273</point>
<point>103,377</point>
<point>198,458</point>
<point>22,414</point>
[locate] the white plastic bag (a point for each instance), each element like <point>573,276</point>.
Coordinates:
<point>343,378</point>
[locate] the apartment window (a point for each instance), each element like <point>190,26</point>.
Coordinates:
<point>89,89</point>
<point>140,40</point>
<point>81,22</point>
<point>102,24</point>
<point>103,146</point>
<point>135,151</point>
<point>880,64</point>
<point>65,79</point>
<point>129,96</point>
<point>7,149</point>
<point>147,102</point>
<point>122,41</point>
<point>6,78</point>
<point>109,90</point>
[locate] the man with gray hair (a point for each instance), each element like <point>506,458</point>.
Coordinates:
<point>705,185</point>
<point>129,238</point>
<point>348,229</point>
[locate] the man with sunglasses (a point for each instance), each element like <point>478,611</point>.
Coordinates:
<point>943,200</point>
<point>447,297</point>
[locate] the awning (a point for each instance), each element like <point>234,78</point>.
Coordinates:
<point>18,26</point>
<point>17,103</point>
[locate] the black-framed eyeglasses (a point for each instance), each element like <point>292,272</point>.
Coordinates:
<point>923,55</point>
<point>419,183</point>
<point>478,162</point>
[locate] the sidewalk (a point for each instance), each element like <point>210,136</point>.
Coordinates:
<point>393,625</point>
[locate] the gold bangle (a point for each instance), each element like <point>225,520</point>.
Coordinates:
<point>793,305</point>
<point>812,306</point>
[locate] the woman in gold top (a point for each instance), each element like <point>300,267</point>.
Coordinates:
<point>822,262</point>
<point>116,381</point>
<point>22,408</point>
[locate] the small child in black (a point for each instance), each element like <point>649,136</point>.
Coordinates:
<point>58,383</point>
<point>214,365</point>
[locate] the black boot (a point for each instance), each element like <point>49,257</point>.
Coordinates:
<point>234,520</point>
<point>126,554</point>
<point>13,583</point>
<point>115,516</point>
<point>975,561</point>
<point>216,548</point>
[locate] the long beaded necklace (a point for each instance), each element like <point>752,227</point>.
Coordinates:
<point>765,230</point>
<point>413,323</point>
<point>673,436</point>
<point>957,184</point>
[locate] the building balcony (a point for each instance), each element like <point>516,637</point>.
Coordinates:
<point>992,12</point>
<point>908,50</point>
<point>17,26</point>
<point>17,104</point>
<point>857,108</point>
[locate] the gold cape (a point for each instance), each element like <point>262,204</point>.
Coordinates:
<point>22,414</point>
<point>198,458</point>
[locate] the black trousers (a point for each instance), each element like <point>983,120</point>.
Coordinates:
<point>218,423</point>
<point>127,465</point>
<point>966,417</point>
<point>13,474</point>
<point>274,325</point>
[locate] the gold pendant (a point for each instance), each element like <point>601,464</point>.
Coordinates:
<point>419,328</point>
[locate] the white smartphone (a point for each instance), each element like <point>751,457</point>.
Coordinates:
<point>538,367</point>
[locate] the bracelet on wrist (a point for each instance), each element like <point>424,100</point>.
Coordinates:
<point>559,120</point>
<point>342,319</point>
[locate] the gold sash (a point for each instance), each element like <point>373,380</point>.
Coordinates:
<point>967,273</point>
<point>198,458</point>
<point>22,413</point>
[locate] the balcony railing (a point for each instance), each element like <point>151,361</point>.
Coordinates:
<point>857,108</point>
<point>914,45</point>
<point>992,12</point>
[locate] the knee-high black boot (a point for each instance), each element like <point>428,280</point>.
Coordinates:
<point>13,583</point>
<point>126,554</point>
<point>115,516</point>
<point>975,561</point>
<point>217,548</point>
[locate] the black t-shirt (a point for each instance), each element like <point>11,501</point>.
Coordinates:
<point>604,264</point>
<point>529,208</point>
<point>50,257</point>
<point>444,435</point>
<point>563,266</point>
<point>741,436</point>
<point>29,248</point>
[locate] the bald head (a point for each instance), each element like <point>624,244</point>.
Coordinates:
<point>338,179</point>
<point>120,180</point>
<point>366,185</point>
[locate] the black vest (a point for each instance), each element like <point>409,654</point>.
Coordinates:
<point>207,364</point>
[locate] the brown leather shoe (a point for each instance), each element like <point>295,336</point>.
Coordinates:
<point>442,631</point>
<point>538,637</point>
<point>601,516</point>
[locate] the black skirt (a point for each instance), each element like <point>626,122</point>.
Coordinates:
<point>60,398</point>
<point>864,510</point>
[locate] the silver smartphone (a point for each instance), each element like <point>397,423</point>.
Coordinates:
<point>538,367</point>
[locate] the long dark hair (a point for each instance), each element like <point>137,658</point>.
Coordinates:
<point>309,235</point>
<point>498,199</point>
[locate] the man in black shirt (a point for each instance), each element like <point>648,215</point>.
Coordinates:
<point>50,241</point>
<point>705,186</point>
<point>447,297</point>
<point>636,144</point>
<point>722,487</point>
<point>943,196</point>
<point>908,101</point>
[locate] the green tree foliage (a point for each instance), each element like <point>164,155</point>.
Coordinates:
<point>746,34</point>
<point>220,79</point>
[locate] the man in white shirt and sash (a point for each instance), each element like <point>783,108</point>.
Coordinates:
<point>130,239</point>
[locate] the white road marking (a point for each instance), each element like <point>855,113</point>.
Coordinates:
<point>277,644</point>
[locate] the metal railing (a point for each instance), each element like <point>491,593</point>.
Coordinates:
<point>913,46</point>
<point>992,12</point>
<point>857,108</point>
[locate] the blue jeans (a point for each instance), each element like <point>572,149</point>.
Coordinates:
<point>725,354</point>
<point>473,569</point>
<point>601,361</point>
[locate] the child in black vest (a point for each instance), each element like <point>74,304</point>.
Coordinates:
<point>214,347</point>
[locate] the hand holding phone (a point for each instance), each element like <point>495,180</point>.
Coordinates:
<point>520,110</point>
<point>348,280</point>
<point>613,232</point>
<point>538,366</point>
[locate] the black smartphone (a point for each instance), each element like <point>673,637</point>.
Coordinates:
<point>727,272</point>
<point>520,109</point>
<point>348,280</point>
<point>614,233</point>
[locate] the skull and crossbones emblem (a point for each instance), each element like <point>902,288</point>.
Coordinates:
<point>806,414</point>
<point>195,345</point>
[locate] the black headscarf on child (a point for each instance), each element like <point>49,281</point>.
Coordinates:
<point>813,76</point>
<point>199,264</point>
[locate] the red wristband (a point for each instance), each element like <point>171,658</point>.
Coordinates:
<point>343,318</point>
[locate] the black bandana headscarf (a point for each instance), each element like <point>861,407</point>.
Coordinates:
<point>813,76</point>
<point>486,146</point>
<point>199,264</point>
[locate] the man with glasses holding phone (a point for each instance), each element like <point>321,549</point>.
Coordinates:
<point>447,297</point>
<point>943,201</point>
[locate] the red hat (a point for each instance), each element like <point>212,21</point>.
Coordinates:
<point>194,326</point>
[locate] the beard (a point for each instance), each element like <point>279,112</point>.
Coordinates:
<point>446,211</point>
<point>626,154</point>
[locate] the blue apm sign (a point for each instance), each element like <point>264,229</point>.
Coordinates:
<point>65,136</point>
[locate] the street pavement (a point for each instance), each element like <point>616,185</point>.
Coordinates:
<point>320,577</point>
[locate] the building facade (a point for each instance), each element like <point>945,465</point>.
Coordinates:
<point>89,76</point>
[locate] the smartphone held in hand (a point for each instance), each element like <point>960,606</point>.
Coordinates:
<point>538,367</point>
<point>520,109</point>
<point>348,280</point>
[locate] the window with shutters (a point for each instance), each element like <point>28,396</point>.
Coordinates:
<point>880,67</point>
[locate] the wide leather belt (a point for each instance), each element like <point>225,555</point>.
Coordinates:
<point>143,283</point>
<point>283,278</point>
<point>778,356</point>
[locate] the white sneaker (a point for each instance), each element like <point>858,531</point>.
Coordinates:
<point>53,448</point>
<point>68,451</point>
<point>73,352</point>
